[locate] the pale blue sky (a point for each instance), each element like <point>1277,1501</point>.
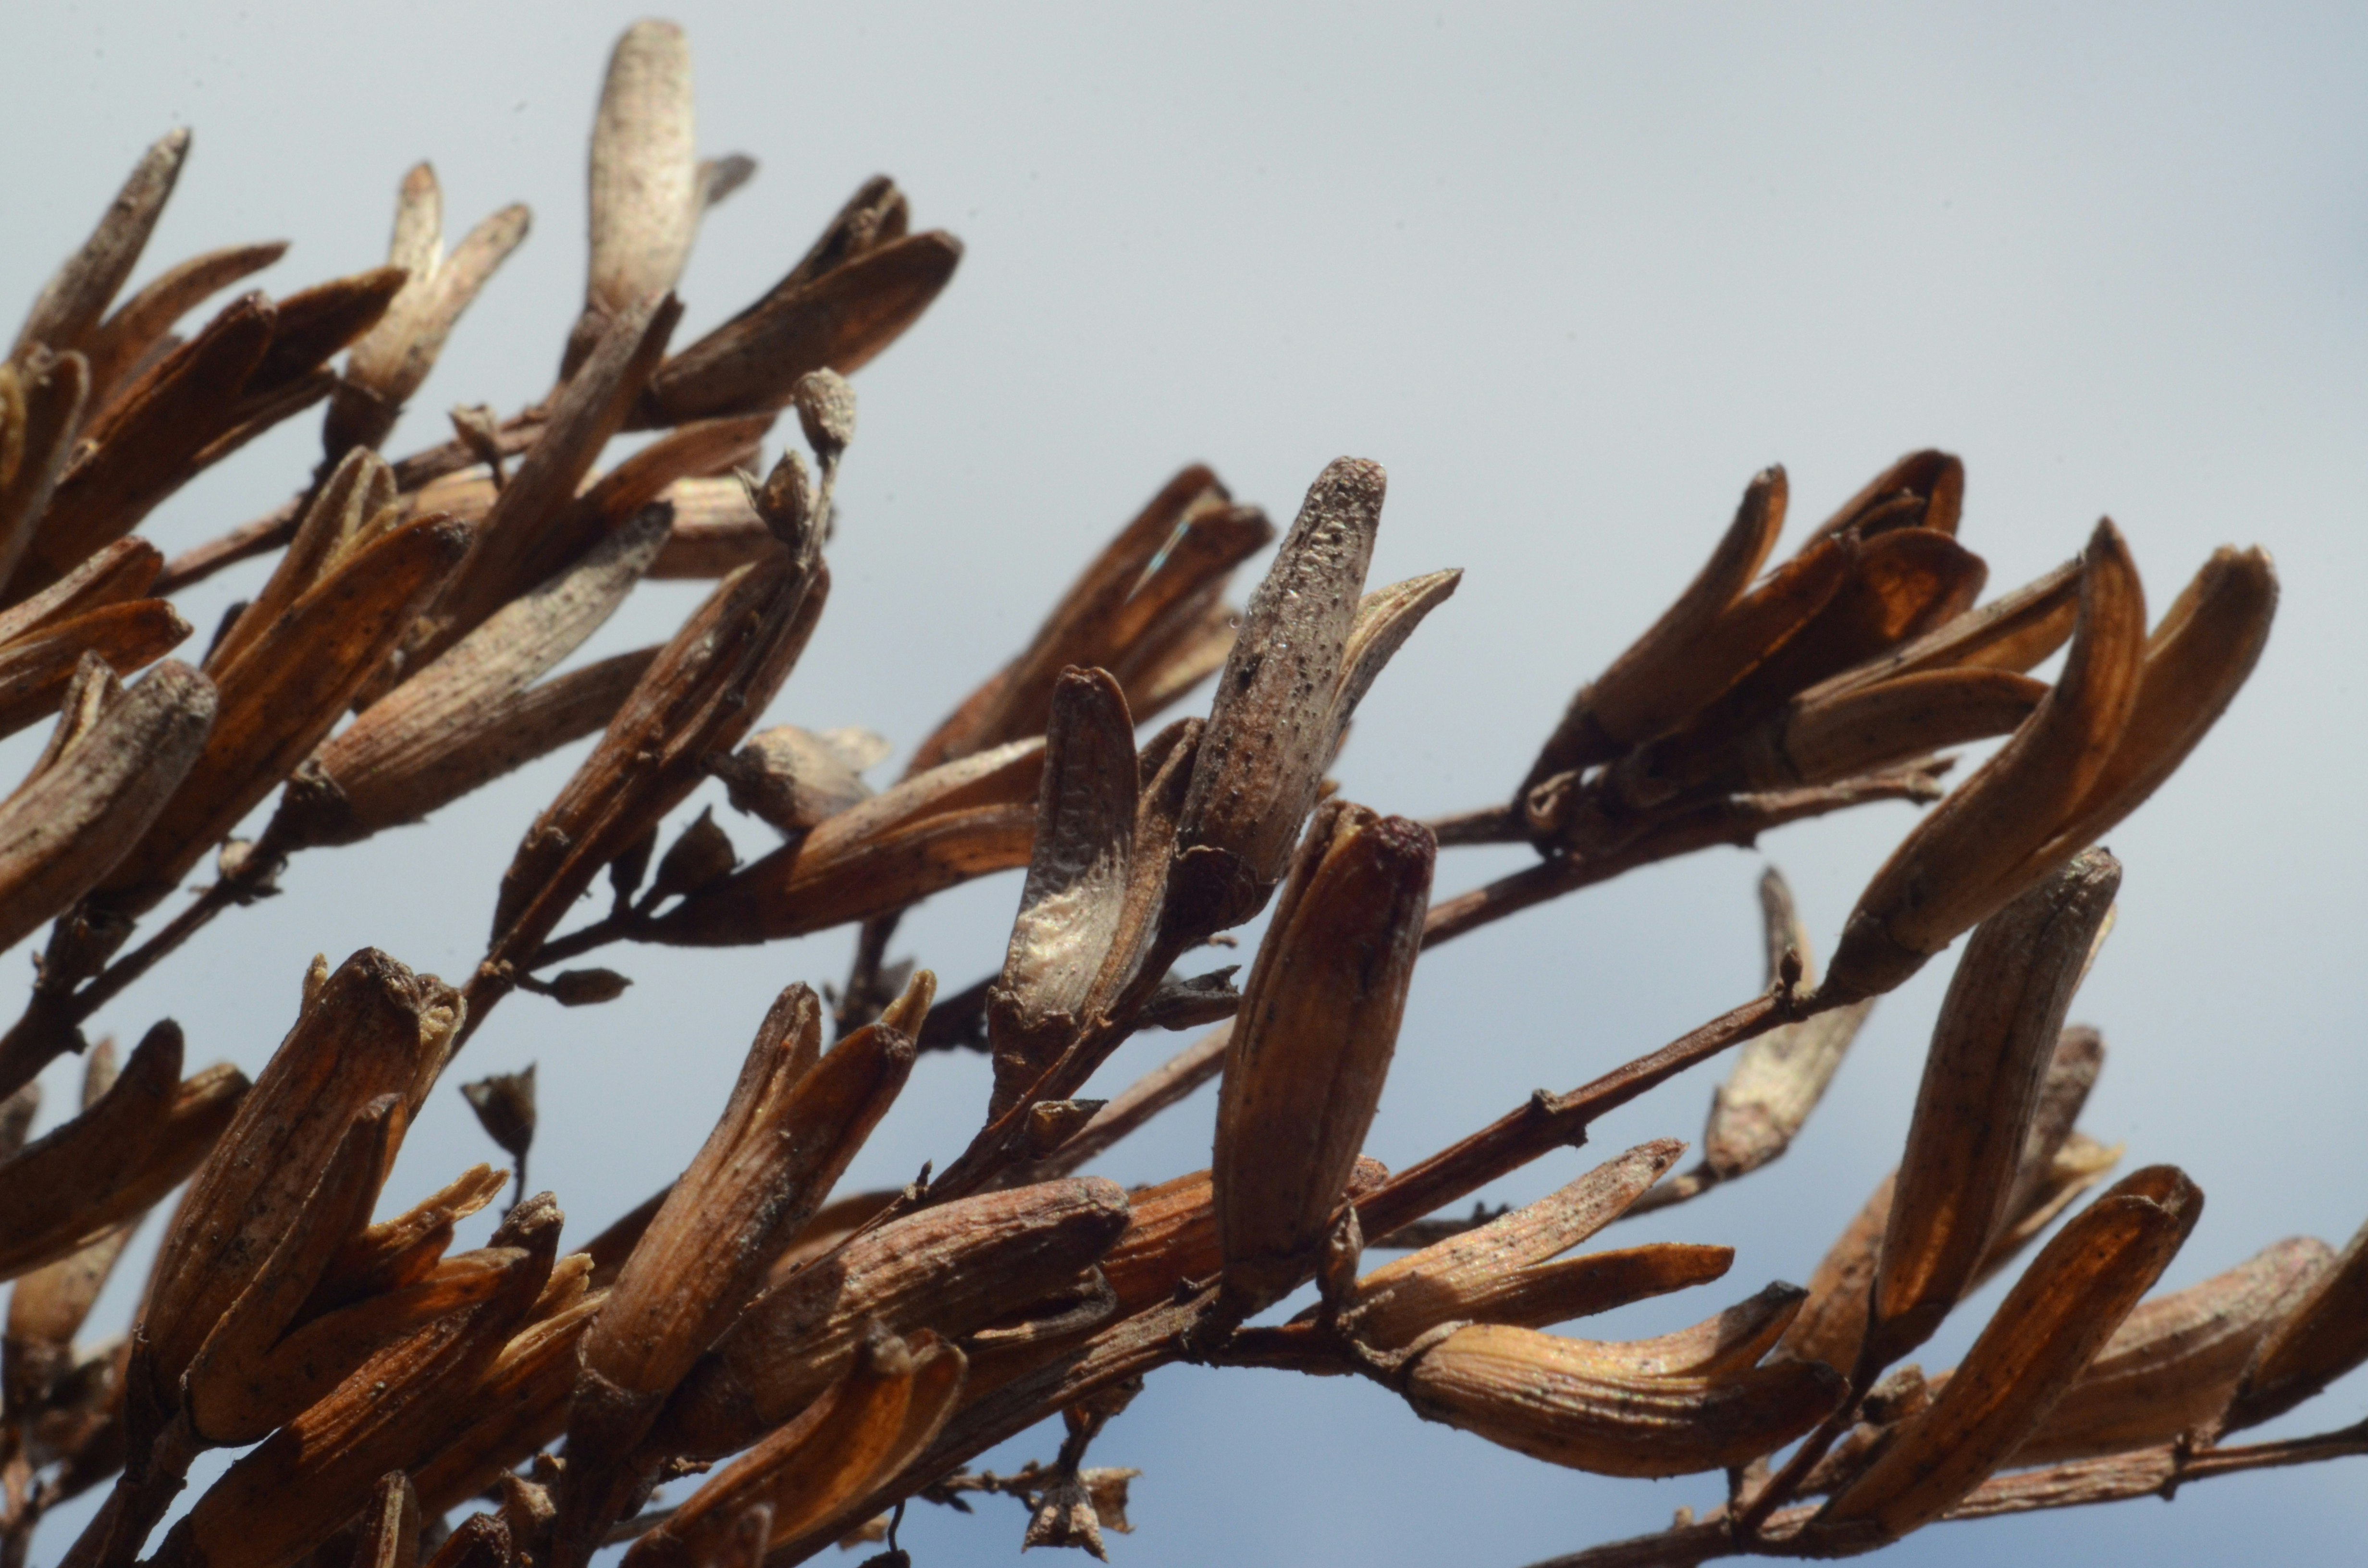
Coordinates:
<point>1573,273</point>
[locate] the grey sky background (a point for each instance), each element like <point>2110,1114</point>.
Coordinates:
<point>1573,274</point>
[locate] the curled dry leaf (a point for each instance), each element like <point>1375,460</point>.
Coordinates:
<point>1308,1054</point>
<point>2126,709</point>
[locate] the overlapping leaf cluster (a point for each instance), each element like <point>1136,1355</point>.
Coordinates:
<point>820,1357</point>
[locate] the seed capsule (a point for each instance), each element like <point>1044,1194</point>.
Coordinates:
<point>1312,1045</point>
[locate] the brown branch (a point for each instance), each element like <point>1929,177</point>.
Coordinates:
<point>1734,819</point>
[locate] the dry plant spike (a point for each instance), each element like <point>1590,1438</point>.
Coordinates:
<point>1997,1033</point>
<point>2060,1314</point>
<point>63,830</point>
<point>2171,1367</point>
<point>885,1410</point>
<point>954,1268</point>
<point>645,195</point>
<point>73,301</point>
<point>791,1126</point>
<point>1560,1401</point>
<point>1318,1024</point>
<point>2322,1337</point>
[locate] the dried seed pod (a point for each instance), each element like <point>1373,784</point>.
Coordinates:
<point>1997,1033</point>
<point>878,1419</point>
<point>1779,1078</point>
<point>73,301</point>
<point>505,1106</point>
<point>403,1250</point>
<point>938,828</point>
<point>954,1268</point>
<point>1309,649</point>
<point>837,320</point>
<point>1172,1236</point>
<point>67,827</point>
<point>794,779</point>
<point>645,188</point>
<point>372,1027</point>
<point>482,1540</point>
<point>389,362</point>
<point>1665,675</point>
<point>36,670</point>
<point>2060,1314</point>
<point>1549,1293</point>
<point>1400,1301</point>
<point>289,1494</point>
<point>2014,632</point>
<point>1552,1399</point>
<point>355,504</point>
<point>280,696</point>
<point>135,331</point>
<point>1073,903</point>
<point>1924,489</point>
<point>825,406</point>
<point>2123,714</point>
<point>519,1403</point>
<point>517,545</point>
<point>2076,1167</point>
<point>1312,1045</point>
<point>1122,614</point>
<point>134,1144</point>
<point>698,698</point>
<point>48,1306</point>
<point>119,573</point>
<point>42,400</point>
<point>2174,1362</point>
<point>2322,1337</point>
<point>390,1526</point>
<point>785,1137</point>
